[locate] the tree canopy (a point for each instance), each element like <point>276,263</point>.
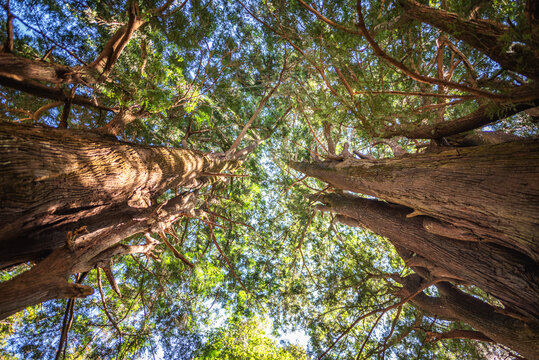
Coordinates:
<point>174,173</point>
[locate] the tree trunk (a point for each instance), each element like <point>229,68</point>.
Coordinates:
<point>95,248</point>
<point>490,192</point>
<point>508,275</point>
<point>454,305</point>
<point>55,180</point>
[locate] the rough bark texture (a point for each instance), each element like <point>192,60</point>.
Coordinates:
<point>484,115</point>
<point>452,304</point>
<point>467,215</point>
<point>52,179</point>
<point>490,37</point>
<point>49,278</point>
<point>490,191</point>
<point>508,275</point>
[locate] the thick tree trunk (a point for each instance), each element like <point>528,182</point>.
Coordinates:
<point>508,275</point>
<point>490,192</point>
<point>454,305</point>
<point>54,180</point>
<point>94,248</point>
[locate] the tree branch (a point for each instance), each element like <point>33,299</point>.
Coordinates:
<point>176,253</point>
<point>8,43</point>
<point>413,75</point>
<point>487,36</point>
<point>484,115</point>
<point>255,114</point>
<point>114,47</point>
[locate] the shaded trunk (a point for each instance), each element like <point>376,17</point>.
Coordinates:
<point>49,279</point>
<point>508,275</point>
<point>454,305</point>
<point>54,180</point>
<point>490,192</point>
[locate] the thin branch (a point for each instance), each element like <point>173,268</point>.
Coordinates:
<point>328,21</point>
<point>105,308</point>
<point>67,321</point>
<point>399,311</point>
<point>230,220</point>
<point>411,74</point>
<point>176,253</point>
<point>255,114</point>
<point>369,334</point>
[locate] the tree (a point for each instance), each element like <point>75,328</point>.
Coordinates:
<point>433,207</point>
<point>73,195</point>
<point>246,340</point>
<point>385,100</point>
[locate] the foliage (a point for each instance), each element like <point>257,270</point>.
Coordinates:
<point>199,75</point>
<point>245,339</point>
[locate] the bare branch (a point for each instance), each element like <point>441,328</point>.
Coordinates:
<point>39,90</point>
<point>107,269</point>
<point>114,47</point>
<point>329,139</point>
<point>103,301</point>
<point>8,43</point>
<point>415,93</point>
<point>484,115</point>
<point>121,120</point>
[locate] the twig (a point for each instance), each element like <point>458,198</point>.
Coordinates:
<point>100,286</point>
<point>176,253</point>
<point>255,114</point>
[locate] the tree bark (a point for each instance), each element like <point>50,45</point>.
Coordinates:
<point>490,191</point>
<point>508,275</point>
<point>55,180</point>
<point>49,278</point>
<point>454,305</point>
<point>490,37</point>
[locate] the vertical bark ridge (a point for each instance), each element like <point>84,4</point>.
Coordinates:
<point>490,190</point>
<point>50,178</point>
<point>508,275</point>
